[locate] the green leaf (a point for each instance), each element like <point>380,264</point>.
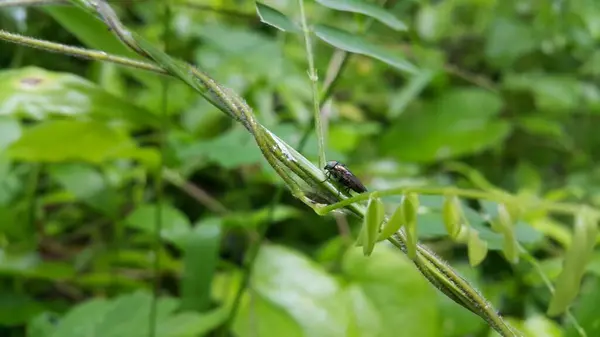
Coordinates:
<point>89,30</point>
<point>410,208</point>
<point>509,32</point>
<point>372,223</point>
<point>70,140</point>
<point>175,226</point>
<point>81,180</point>
<point>88,185</point>
<point>386,295</point>
<point>379,297</point>
<point>552,93</point>
<point>451,215</point>
<point>477,249</point>
<point>230,150</point>
<point>392,225</point>
<point>39,94</point>
<point>355,44</point>
<point>359,6</point>
<point>201,255</point>
<point>32,266</point>
<point>576,259</point>
<point>275,18</point>
<point>586,309</point>
<point>416,84</point>
<point>434,22</point>
<point>457,123</point>
<point>291,283</point>
<point>17,309</point>
<point>255,218</point>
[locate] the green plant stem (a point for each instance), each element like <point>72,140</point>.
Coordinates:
<point>334,69</point>
<point>88,54</point>
<point>32,186</point>
<point>314,81</point>
<point>159,182</point>
<point>560,208</point>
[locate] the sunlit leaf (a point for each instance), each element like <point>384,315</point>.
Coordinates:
<point>386,295</point>
<point>39,94</point>
<point>363,7</point>
<point>355,44</point>
<point>504,224</point>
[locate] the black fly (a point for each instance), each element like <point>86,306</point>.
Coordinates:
<point>343,176</point>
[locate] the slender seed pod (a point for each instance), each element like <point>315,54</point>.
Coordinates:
<point>392,225</point>
<point>477,248</point>
<point>410,206</point>
<point>372,224</point>
<point>504,225</point>
<point>451,214</point>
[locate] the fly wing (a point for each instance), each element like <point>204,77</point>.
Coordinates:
<point>354,183</point>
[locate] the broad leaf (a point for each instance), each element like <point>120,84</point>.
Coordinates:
<point>39,94</point>
<point>457,123</point>
<point>175,226</point>
<point>71,140</point>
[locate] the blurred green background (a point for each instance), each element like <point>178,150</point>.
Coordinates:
<point>507,95</point>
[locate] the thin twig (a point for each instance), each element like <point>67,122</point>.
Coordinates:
<point>314,82</point>
<point>88,54</point>
<point>195,192</point>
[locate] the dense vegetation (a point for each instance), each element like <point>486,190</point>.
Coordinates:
<point>132,205</point>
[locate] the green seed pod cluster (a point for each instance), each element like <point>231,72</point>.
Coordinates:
<point>374,229</point>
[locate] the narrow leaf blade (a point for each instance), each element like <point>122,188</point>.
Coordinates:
<point>355,44</point>
<point>358,6</point>
<point>275,18</point>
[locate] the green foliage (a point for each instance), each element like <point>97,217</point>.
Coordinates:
<point>100,317</point>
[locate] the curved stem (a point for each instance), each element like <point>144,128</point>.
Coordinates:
<point>88,54</point>
<point>314,81</point>
<point>564,208</point>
